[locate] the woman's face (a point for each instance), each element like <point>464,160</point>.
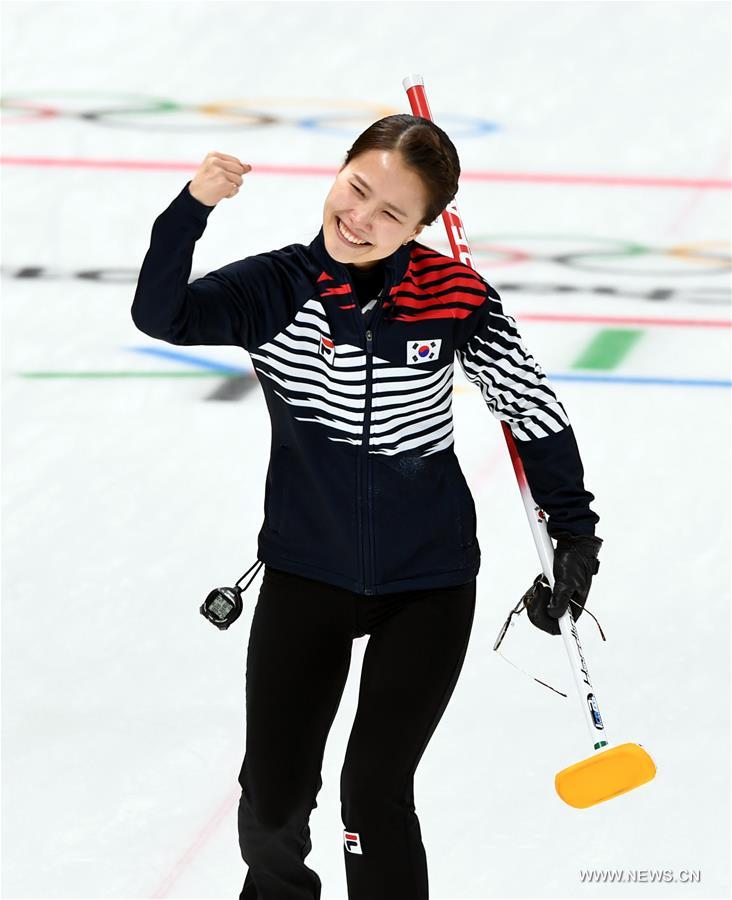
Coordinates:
<point>377,199</point>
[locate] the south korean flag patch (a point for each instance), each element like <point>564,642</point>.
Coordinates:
<point>422,351</point>
<point>352,842</point>
<point>327,348</point>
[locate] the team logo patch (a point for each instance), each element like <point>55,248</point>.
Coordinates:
<point>353,842</point>
<point>422,351</point>
<point>326,348</point>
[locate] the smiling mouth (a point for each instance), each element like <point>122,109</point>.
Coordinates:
<point>345,239</point>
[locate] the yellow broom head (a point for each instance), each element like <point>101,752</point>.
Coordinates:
<point>605,775</point>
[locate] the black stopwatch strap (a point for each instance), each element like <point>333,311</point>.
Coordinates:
<point>257,563</point>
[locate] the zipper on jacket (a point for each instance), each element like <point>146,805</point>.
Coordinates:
<point>368,508</point>
<point>366,504</point>
<point>366,469</point>
<point>366,529</point>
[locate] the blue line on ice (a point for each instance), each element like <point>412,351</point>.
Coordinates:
<point>639,379</point>
<point>189,358</point>
<point>619,379</point>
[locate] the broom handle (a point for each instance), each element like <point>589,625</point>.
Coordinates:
<point>414,86</point>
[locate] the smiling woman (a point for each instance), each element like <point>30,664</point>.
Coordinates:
<point>369,523</point>
<point>397,177</point>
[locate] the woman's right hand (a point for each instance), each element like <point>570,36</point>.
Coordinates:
<point>218,176</point>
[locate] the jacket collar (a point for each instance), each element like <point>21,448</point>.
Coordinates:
<point>395,265</point>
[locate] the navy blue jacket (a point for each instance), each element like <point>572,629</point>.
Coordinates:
<point>364,489</point>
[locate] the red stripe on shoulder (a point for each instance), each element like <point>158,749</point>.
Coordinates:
<point>338,289</point>
<point>423,258</point>
<point>425,314</point>
<point>437,286</point>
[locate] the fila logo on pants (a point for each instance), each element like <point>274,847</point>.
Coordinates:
<point>422,351</point>
<point>353,842</point>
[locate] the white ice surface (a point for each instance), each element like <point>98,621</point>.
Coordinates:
<point>126,500</point>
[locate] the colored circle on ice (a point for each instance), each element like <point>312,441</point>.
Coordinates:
<point>424,350</point>
<point>149,113</point>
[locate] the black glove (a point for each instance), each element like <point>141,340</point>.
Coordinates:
<point>575,562</point>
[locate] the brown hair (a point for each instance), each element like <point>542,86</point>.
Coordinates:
<point>424,147</point>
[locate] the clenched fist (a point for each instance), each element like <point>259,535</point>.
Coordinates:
<point>218,176</point>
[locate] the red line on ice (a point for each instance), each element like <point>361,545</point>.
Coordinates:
<point>627,320</point>
<point>331,171</point>
<point>203,835</point>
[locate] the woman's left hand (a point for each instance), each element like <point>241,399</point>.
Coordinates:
<point>575,562</point>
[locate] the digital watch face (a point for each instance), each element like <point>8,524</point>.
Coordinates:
<point>220,606</point>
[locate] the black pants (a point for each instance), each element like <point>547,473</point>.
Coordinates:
<point>297,665</point>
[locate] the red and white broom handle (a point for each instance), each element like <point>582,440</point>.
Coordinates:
<point>414,86</point>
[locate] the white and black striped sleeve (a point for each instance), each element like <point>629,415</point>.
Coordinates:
<point>512,383</point>
<point>517,392</point>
